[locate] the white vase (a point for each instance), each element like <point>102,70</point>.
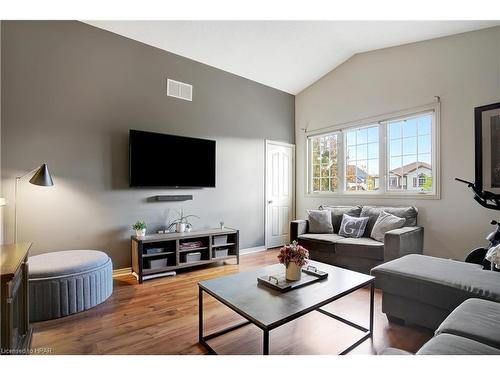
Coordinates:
<point>293,272</point>
<point>140,232</point>
<point>180,227</point>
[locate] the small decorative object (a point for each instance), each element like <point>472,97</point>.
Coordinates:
<point>222,224</point>
<point>294,257</point>
<point>189,227</point>
<point>140,228</point>
<point>181,223</point>
<point>493,256</point>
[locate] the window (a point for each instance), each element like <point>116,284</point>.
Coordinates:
<point>409,152</point>
<point>324,163</point>
<point>389,155</point>
<point>362,159</point>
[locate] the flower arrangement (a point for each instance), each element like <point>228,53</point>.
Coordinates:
<point>293,253</point>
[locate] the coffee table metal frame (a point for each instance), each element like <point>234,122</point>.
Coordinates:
<point>266,329</point>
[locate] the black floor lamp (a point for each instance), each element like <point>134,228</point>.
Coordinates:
<point>41,177</point>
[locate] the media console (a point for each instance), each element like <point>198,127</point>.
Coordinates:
<point>158,255</point>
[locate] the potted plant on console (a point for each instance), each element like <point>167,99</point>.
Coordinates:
<point>140,228</point>
<point>182,222</point>
<point>294,257</point>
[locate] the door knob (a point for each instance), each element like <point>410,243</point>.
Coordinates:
<point>269,202</point>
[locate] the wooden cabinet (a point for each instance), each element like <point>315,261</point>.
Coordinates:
<point>15,328</point>
<point>158,255</point>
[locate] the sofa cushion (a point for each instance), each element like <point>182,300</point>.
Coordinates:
<point>384,224</point>
<point>338,211</point>
<point>443,283</point>
<point>446,344</point>
<point>360,247</point>
<point>476,319</point>
<point>352,226</point>
<point>320,221</point>
<point>323,237</point>
<point>373,212</point>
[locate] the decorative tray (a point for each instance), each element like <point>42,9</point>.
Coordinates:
<point>310,275</point>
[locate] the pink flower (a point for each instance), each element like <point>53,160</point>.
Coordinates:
<point>293,253</point>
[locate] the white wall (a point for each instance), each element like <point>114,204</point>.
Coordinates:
<point>464,70</point>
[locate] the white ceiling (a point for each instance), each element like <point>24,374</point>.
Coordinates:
<point>286,55</point>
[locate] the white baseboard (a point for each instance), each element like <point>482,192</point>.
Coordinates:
<point>251,250</point>
<point>122,271</point>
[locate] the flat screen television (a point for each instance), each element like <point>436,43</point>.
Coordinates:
<point>170,161</point>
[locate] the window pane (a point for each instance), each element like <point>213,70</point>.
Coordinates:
<point>373,166</point>
<point>395,147</point>
<point>324,163</point>
<point>409,146</point>
<point>394,129</point>
<point>315,170</point>
<point>425,158</point>
<point>410,128</point>
<point>325,171</point>
<point>351,153</point>
<point>315,184</point>
<point>325,184</point>
<point>373,134</point>
<point>361,152</point>
<point>424,125</point>
<point>424,144</point>
<point>350,138</point>
<point>372,150</point>
<point>362,136</point>
<point>412,139</point>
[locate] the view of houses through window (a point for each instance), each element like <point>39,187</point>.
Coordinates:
<point>357,166</point>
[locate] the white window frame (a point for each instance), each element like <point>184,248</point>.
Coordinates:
<point>382,121</point>
<point>340,151</point>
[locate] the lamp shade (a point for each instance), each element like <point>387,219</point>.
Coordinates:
<point>42,177</point>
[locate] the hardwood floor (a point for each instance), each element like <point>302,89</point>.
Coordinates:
<point>161,317</point>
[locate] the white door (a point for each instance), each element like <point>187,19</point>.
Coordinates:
<point>280,166</point>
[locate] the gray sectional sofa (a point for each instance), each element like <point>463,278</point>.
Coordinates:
<point>424,290</point>
<point>471,329</point>
<point>360,254</point>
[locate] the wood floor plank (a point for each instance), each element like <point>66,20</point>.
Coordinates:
<point>161,317</point>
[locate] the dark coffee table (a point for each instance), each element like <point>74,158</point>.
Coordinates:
<point>268,308</point>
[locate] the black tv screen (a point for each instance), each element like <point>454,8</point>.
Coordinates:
<point>163,160</point>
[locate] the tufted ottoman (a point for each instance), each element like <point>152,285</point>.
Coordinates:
<point>67,282</point>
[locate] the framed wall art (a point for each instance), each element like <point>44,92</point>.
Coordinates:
<point>487,148</point>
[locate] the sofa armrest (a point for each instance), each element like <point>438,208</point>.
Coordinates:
<point>298,227</point>
<point>403,241</point>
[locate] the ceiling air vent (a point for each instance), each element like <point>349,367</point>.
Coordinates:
<point>179,90</point>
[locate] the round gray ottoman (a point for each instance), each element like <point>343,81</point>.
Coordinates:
<point>67,282</point>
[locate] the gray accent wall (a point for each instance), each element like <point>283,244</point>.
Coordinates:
<point>71,92</point>
<point>464,70</point>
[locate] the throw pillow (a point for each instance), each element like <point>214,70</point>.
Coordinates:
<point>338,211</point>
<point>320,221</point>
<point>385,223</point>
<point>352,226</point>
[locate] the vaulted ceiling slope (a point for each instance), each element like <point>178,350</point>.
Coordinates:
<point>286,55</point>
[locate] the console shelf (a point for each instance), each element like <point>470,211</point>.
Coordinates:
<point>172,257</point>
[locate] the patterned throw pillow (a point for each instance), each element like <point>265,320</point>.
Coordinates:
<point>353,226</point>
<point>385,223</point>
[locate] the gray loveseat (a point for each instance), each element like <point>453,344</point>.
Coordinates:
<point>361,254</point>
